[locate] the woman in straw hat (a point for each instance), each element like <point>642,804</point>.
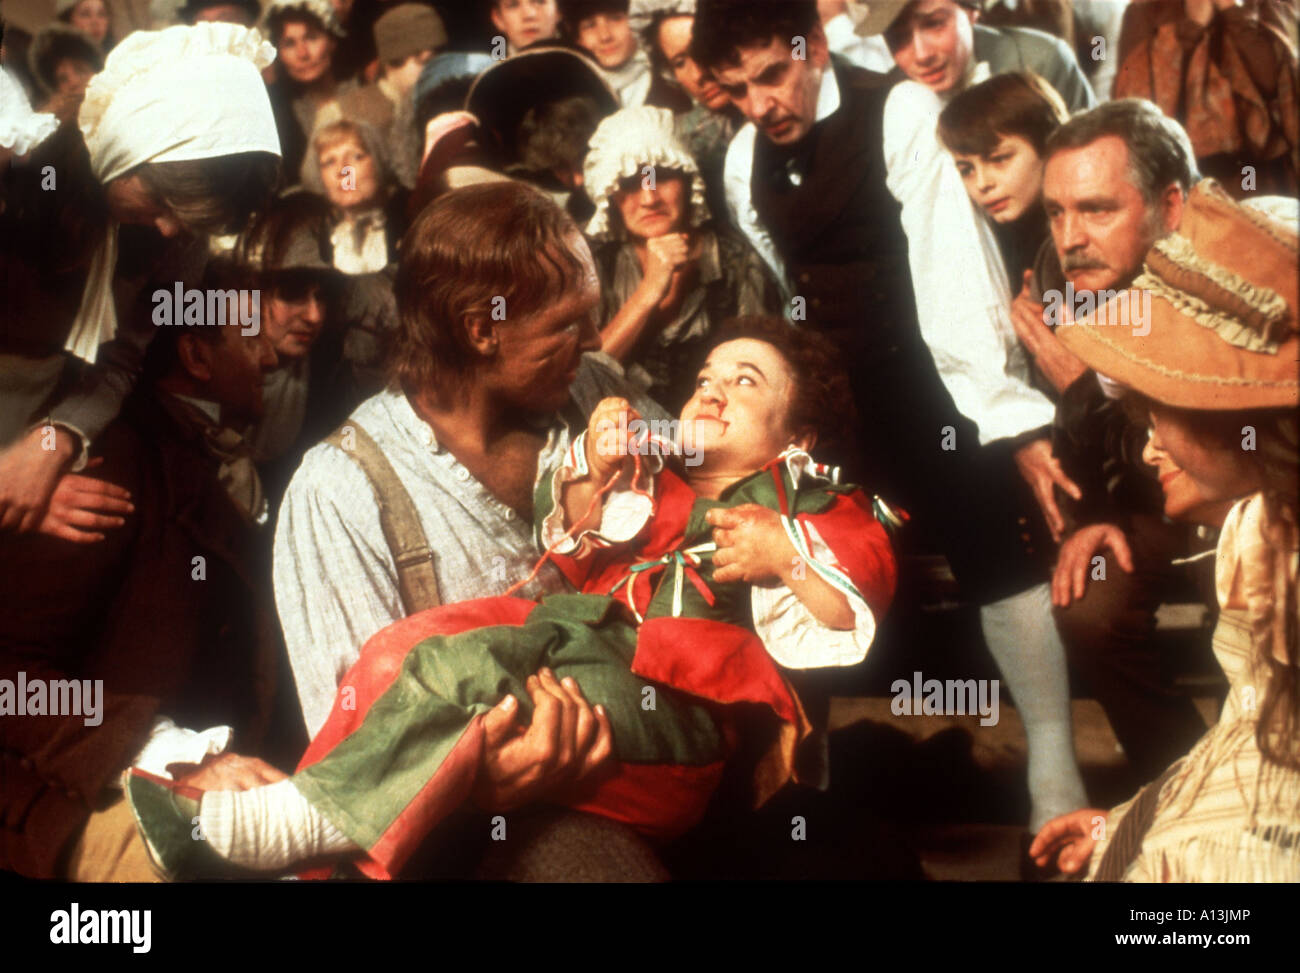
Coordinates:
<point>1217,377</point>
<point>176,136</point>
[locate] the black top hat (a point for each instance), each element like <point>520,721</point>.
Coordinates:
<point>540,74</point>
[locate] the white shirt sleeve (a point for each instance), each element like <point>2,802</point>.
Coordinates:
<point>737,175</point>
<point>623,514</point>
<point>871,53</point>
<point>797,640</point>
<point>962,299</point>
<point>333,588</point>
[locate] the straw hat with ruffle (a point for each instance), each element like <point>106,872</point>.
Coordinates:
<point>1222,332</point>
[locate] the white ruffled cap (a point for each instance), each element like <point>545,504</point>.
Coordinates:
<point>21,129</point>
<point>623,145</point>
<point>179,94</point>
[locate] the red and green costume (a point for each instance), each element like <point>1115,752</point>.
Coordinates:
<point>404,741</point>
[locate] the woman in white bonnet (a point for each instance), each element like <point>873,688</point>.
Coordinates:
<point>175,139</point>
<point>668,275</point>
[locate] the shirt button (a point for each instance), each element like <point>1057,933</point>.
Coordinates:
<point>1022,521</point>
<point>510,514</point>
<point>462,474</point>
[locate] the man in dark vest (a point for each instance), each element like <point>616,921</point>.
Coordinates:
<point>807,183</point>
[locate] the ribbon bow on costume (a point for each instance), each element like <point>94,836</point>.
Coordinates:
<point>685,564</point>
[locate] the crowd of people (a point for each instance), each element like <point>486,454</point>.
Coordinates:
<point>416,414</point>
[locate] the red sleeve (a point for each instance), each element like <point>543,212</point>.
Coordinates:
<point>861,546</point>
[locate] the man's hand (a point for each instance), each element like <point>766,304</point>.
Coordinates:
<point>28,475</point>
<point>226,772</point>
<point>752,545</point>
<point>83,504</point>
<point>826,9</point>
<point>1061,366</point>
<point>1071,574</point>
<point>567,741</point>
<point>665,255</point>
<point>1069,838</point>
<point>1042,472</point>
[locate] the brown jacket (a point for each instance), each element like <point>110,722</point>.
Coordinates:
<point>131,611</point>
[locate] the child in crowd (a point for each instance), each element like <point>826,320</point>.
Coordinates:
<point>698,580</point>
<point>347,166</point>
<point>602,29</point>
<point>996,132</point>
<point>522,22</point>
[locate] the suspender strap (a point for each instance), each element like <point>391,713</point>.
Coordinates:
<point>416,580</point>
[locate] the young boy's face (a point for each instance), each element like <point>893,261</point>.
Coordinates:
<point>1006,182</point>
<point>738,418</point>
<point>403,74</point>
<point>932,43</point>
<point>525,21</point>
<point>608,37</point>
<point>350,174</point>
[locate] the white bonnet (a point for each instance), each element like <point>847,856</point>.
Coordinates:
<point>623,145</point>
<point>640,12</point>
<point>21,129</point>
<point>322,10</point>
<point>179,94</point>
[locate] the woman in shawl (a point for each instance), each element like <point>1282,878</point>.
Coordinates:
<point>667,274</point>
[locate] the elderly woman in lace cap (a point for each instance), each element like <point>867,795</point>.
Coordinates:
<point>175,139</point>
<point>1213,370</point>
<point>668,276</point>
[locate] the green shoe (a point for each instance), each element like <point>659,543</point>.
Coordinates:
<point>167,815</point>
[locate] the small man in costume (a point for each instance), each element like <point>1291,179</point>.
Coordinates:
<point>697,583</point>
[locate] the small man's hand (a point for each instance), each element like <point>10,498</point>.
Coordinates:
<point>752,544</point>
<point>607,446</point>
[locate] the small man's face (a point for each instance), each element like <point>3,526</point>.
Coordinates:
<point>674,44</point>
<point>608,38</point>
<point>1006,182</point>
<point>932,42</point>
<point>776,90</point>
<point>1101,225</point>
<point>525,21</point>
<point>738,418</point>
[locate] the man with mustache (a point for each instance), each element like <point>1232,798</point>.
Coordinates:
<point>809,182</point>
<point>1114,183</point>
